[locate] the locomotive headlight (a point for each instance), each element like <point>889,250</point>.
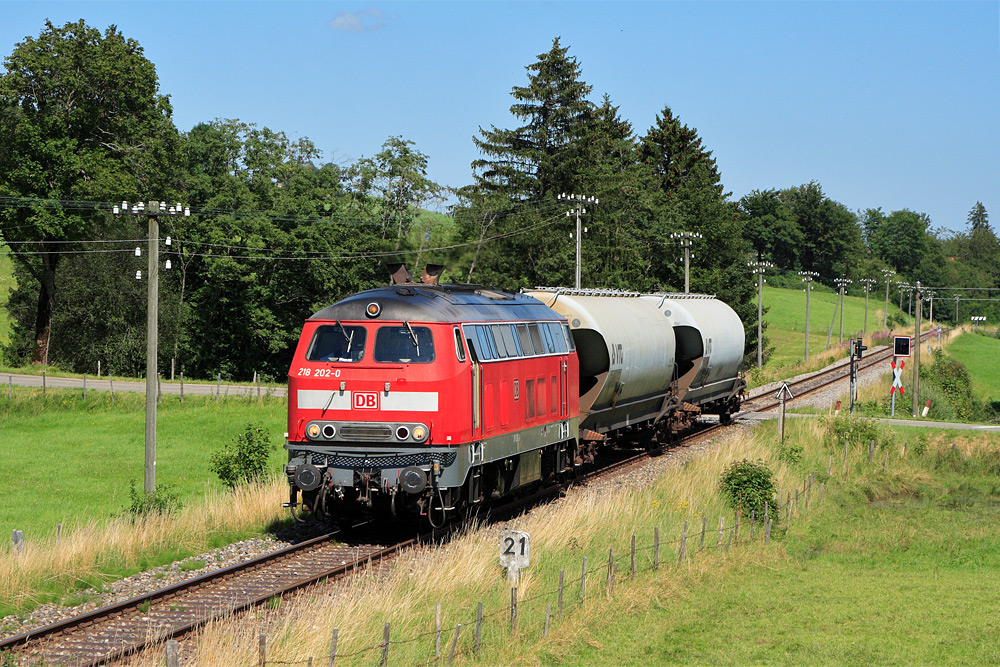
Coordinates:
<point>373,309</point>
<point>329,431</point>
<point>402,433</point>
<point>313,431</point>
<point>419,433</point>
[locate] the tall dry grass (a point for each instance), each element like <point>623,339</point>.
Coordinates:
<point>87,551</point>
<point>465,571</point>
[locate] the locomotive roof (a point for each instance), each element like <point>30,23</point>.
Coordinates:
<point>439,303</point>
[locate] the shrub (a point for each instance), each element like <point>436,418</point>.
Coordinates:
<point>243,461</point>
<point>142,503</point>
<point>855,432</point>
<point>791,454</point>
<point>747,485</point>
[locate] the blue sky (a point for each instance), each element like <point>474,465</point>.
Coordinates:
<point>892,105</point>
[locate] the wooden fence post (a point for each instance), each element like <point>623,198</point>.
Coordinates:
<point>684,537</point>
<point>548,614</point>
<point>17,541</point>
<point>611,563</point>
<point>111,383</point>
<point>871,451</point>
<point>722,526</point>
<point>704,523</point>
<point>562,574</point>
<point>583,582</point>
<point>632,573</point>
<point>262,650</point>
<point>767,535</point>
<point>736,528</point>
<point>656,548</point>
<point>829,468</point>
<point>218,386</point>
<point>182,386</point>
<point>385,645</point>
<point>753,520</point>
<point>454,643</point>
<point>729,541</point>
<point>333,646</point>
<point>479,628</point>
<point>437,631</point>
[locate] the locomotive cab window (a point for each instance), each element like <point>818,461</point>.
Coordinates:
<point>459,347</point>
<point>337,342</point>
<point>404,345</point>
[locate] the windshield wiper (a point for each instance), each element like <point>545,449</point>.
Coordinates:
<point>348,336</point>
<point>414,337</point>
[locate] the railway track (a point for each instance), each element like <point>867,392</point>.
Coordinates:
<point>824,378</point>
<point>109,633</point>
<point>119,630</point>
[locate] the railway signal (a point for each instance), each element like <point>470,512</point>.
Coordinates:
<point>901,346</point>
<point>897,383</point>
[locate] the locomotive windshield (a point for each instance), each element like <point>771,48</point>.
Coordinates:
<point>404,345</point>
<point>337,342</point>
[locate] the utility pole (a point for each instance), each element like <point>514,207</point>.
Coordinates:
<point>807,278</point>
<point>868,283</point>
<point>154,210</point>
<point>686,240</point>
<point>930,297</point>
<point>902,286</point>
<point>887,273</point>
<point>842,283</point>
<point>758,268</point>
<point>916,355</point>
<point>579,200</point>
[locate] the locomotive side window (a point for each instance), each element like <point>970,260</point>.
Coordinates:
<point>502,350</point>
<point>555,334</point>
<point>529,388</point>
<point>339,343</point>
<point>508,339</point>
<point>569,337</point>
<point>477,342</point>
<point>404,345</point>
<point>536,340</point>
<point>459,347</point>
<point>525,340</point>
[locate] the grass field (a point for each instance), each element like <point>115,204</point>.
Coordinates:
<point>893,567</point>
<point>71,460</point>
<point>981,356</point>
<point>786,316</point>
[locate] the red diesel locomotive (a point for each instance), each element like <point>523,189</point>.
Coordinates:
<point>426,399</point>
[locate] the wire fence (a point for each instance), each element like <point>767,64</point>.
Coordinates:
<point>508,622</point>
<point>108,383</point>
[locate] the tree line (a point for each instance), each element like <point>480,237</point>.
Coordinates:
<point>278,233</point>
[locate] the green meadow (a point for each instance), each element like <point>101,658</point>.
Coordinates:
<point>64,459</point>
<point>981,356</point>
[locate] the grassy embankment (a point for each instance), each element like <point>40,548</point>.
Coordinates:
<point>893,566</point>
<point>66,460</point>
<point>785,331</point>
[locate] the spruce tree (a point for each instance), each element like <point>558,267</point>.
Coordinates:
<point>540,158</point>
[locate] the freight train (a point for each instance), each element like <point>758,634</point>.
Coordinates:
<point>431,400</point>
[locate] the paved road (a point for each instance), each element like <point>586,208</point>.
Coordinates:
<point>166,387</point>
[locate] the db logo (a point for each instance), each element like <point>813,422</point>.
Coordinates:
<point>364,400</point>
